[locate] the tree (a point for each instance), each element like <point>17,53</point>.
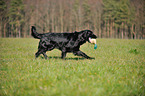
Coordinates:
<point>110,9</point>
<point>16,16</point>
<point>124,17</point>
<point>121,14</point>
<point>107,18</point>
<point>3,17</point>
<point>139,25</point>
<point>87,14</point>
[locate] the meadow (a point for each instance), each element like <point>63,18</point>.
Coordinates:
<point>118,69</point>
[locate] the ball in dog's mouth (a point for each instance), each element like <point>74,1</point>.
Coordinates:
<point>93,41</point>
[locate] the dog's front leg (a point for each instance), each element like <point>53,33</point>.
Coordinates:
<point>80,53</point>
<point>63,55</point>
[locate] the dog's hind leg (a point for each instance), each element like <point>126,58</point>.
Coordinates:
<point>44,54</point>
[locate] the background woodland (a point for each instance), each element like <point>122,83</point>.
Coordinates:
<point>123,19</point>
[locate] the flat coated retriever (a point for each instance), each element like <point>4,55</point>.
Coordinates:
<point>65,42</point>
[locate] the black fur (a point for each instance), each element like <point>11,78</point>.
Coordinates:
<point>65,42</point>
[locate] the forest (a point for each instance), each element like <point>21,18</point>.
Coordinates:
<point>123,19</point>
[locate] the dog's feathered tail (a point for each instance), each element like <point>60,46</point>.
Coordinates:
<point>35,34</point>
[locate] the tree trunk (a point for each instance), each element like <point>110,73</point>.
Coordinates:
<point>5,29</point>
<point>61,16</point>
<point>100,29</point>
<point>135,33</point>
<point>52,18</point>
<point>12,29</point>
<point>111,29</point>
<point>126,30</point>
<point>80,17</point>
<point>104,31</point>
<point>116,32</point>
<point>19,33</point>
<point>61,22</point>
<point>108,29</point>
<point>0,30</point>
<point>132,31</point>
<point>122,29</point>
<point>30,31</point>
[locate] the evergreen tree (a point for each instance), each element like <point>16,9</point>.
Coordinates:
<point>121,13</point>
<point>3,17</point>
<point>16,16</point>
<point>124,16</point>
<point>110,8</point>
<point>2,8</point>
<point>87,14</point>
<point>108,18</point>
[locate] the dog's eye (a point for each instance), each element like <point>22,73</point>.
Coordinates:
<point>90,33</point>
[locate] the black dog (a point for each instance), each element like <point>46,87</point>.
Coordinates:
<point>66,42</point>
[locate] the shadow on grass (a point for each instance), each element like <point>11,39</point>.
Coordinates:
<point>56,57</point>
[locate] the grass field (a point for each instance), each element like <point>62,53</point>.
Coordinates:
<point>118,69</point>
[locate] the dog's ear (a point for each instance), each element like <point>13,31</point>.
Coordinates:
<point>75,35</point>
<point>89,33</point>
<point>81,35</point>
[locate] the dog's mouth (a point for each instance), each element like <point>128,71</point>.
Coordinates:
<point>91,37</point>
<point>92,40</point>
<point>89,40</point>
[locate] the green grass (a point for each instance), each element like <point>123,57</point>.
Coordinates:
<point>118,69</point>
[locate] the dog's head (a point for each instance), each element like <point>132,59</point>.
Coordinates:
<point>89,34</point>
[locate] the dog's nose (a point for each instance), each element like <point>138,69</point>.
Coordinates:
<point>94,36</point>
